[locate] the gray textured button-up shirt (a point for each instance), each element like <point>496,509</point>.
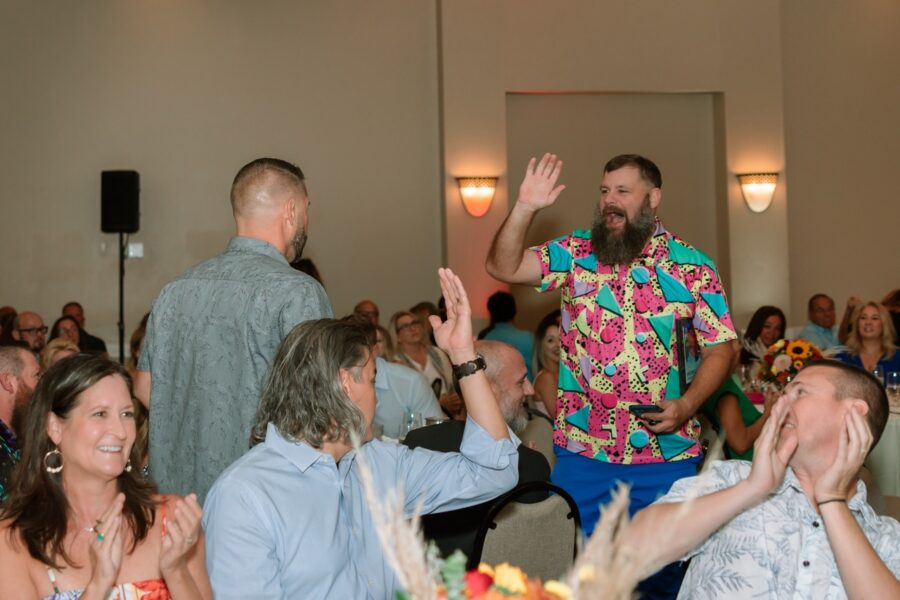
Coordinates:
<point>211,338</point>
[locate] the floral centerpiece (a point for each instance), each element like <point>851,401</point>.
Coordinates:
<point>785,358</point>
<point>503,582</point>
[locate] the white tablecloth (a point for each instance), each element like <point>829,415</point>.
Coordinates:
<point>884,461</point>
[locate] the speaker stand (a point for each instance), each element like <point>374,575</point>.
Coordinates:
<point>123,248</point>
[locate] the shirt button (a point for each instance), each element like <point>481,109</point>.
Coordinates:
<point>805,563</point>
<point>815,523</point>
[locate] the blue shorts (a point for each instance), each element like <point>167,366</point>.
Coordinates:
<point>591,482</point>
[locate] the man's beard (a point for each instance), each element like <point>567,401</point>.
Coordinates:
<point>296,245</point>
<point>517,421</point>
<point>23,397</point>
<point>621,248</point>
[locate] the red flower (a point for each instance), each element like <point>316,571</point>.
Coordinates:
<point>477,583</point>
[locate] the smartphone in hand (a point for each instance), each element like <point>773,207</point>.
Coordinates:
<point>639,410</point>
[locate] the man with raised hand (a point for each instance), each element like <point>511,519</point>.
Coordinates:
<point>289,519</point>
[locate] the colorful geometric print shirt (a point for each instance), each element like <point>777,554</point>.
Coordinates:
<point>617,342</point>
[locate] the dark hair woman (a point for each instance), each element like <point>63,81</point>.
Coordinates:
<point>766,327</point>
<point>81,521</point>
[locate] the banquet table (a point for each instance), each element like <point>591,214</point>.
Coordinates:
<point>884,460</point>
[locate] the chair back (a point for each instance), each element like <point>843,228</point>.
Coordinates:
<point>540,431</point>
<point>541,537</point>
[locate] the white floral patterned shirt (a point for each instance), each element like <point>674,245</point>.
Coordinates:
<point>777,549</point>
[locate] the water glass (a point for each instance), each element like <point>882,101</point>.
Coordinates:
<point>878,373</point>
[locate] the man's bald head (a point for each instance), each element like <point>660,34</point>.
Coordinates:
<point>261,187</point>
<point>508,377</point>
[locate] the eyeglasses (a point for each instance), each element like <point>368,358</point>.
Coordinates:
<point>34,330</point>
<point>408,325</point>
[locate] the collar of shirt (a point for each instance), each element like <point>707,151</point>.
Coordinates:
<point>819,328</point>
<point>300,454</point>
<point>790,481</point>
<point>657,246</point>
<point>249,244</point>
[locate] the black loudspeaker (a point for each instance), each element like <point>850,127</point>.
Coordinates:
<point>119,204</point>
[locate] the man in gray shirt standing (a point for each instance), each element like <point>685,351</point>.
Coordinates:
<point>214,330</point>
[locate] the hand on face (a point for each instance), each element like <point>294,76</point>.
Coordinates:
<point>771,453</point>
<point>853,447</point>
<point>537,190</point>
<point>182,529</point>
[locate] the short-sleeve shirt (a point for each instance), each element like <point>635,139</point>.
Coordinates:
<point>777,548</point>
<point>617,342</point>
<point>9,456</point>
<point>211,338</point>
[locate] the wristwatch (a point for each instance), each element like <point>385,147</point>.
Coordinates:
<point>470,367</point>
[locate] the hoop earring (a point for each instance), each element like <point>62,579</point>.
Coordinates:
<point>128,466</point>
<point>59,466</point>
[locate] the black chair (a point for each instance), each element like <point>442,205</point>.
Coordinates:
<point>539,537</point>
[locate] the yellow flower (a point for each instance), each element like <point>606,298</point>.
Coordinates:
<point>486,569</point>
<point>558,589</point>
<point>510,578</point>
<point>798,364</point>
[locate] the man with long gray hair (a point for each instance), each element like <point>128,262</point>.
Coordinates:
<point>289,518</point>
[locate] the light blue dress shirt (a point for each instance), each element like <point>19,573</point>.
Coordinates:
<point>285,521</point>
<point>822,337</point>
<point>401,390</point>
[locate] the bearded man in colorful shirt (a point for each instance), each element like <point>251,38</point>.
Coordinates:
<point>626,285</point>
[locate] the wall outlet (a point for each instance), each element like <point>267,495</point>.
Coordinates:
<point>135,250</point>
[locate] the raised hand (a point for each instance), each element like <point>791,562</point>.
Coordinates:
<point>106,547</point>
<point>770,454</point>
<point>853,446</point>
<point>454,336</point>
<point>182,529</point>
<point>539,189</point>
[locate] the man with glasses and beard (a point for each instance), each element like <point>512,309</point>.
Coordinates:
<point>214,330</point>
<point>626,285</point>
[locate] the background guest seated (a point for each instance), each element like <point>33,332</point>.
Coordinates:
<point>80,520</point>
<point>414,351</point>
<point>546,362</point>
<point>870,344</point>
<point>508,379</point>
<point>766,327</point>
<point>56,350</point>
<point>67,328</point>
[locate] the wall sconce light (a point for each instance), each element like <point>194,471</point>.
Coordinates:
<point>477,193</point>
<point>758,190</point>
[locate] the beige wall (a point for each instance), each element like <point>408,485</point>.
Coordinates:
<point>186,93</point>
<point>657,46</point>
<point>842,134</point>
